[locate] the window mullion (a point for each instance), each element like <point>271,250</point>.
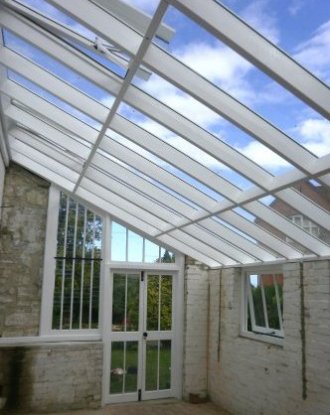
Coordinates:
<point>73,269</point>
<point>264,302</point>
<point>64,261</point>
<point>278,303</point>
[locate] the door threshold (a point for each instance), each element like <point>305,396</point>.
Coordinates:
<point>162,401</point>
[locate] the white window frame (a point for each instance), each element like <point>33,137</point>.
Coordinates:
<point>46,314</point>
<point>261,333</point>
<point>306,224</point>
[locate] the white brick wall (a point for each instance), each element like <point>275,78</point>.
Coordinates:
<point>196,330</point>
<point>248,377</point>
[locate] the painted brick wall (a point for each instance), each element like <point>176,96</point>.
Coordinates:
<point>249,377</point>
<point>52,377</point>
<point>196,329</point>
<point>22,239</point>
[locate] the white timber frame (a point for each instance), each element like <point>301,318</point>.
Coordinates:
<point>93,165</point>
<point>262,334</point>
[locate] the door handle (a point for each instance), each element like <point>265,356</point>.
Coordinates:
<point>145,335</point>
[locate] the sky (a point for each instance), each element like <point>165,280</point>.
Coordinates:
<point>299,27</point>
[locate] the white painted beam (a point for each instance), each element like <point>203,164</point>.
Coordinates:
<point>238,35</point>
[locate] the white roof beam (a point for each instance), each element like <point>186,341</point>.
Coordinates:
<point>116,170</point>
<point>123,203</point>
<point>261,234</point>
<point>123,190</point>
<point>258,50</point>
<point>285,226</point>
<point>41,170</point>
<point>187,221</point>
<point>134,66</point>
<point>135,18</point>
<point>140,136</point>
<point>193,252</point>
<point>189,81</point>
<point>140,100</point>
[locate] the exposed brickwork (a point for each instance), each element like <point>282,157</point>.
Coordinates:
<point>53,377</point>
<point>196,329</point>
<point>251,377</point>
<point>22,240</point>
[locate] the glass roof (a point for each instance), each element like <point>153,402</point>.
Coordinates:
<point>186,123</point>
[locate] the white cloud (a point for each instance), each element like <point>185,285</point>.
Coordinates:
<point>315,52</point>
<point>263,156</point>
<point>258,15</point>
<point>315,135</point>
<point>181,102</point>
<point>295,7</point>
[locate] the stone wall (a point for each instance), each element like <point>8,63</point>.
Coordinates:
<point>2,179</point>
<point>53,377</point>
<point>259,378</point>
<point>22,240</point>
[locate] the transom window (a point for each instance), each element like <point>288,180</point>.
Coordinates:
<point>264,303</point>
<point>129,246</point>
<point>78,267</point>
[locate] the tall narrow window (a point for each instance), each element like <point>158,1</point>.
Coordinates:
<point>264,294</point>
<point>78,267</point>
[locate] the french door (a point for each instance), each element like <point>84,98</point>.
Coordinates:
<point>142,341</point>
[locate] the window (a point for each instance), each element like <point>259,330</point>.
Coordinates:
<point>264,303</point>
<point>306,224</point>
<point>128,246</point>
<point>78,266</point>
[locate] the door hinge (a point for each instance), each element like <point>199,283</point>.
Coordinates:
<point>142,276</point>
<point>139,395</point>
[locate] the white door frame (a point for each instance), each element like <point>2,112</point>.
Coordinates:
<point>106,316</point>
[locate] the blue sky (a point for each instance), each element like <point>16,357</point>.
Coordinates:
<point>299,27</point>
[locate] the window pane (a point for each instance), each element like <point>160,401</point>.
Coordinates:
<point>166,303</point>
<point>131,366</point>
<point>117,367</point>
<point>118,307</point>
<point>151,252</point>
<point>132,313</point>
<point>153,302</point>
<point>135,247</point>
<point>152,365</point>
<point>271,301</point>
<point>255,287</point>
<point>165,364</point>
<point>118,242</point>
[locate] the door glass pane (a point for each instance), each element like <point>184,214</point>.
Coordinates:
<point>124,367</point>
<point>153,302</point>
<point>131,366</point>
<point>118,308</point>
<point>165,364</point>
<point>151,365</point>
<point>117,367</point>
<point>132,314</point>
<point>166,303</point>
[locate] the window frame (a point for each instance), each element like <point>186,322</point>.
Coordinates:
<point>262,333</point>
<point>49,267</point>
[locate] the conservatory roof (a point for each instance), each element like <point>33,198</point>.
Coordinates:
<point>98,100</point>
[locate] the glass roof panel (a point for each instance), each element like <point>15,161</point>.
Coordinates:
<point>55,67</point>
<point>13,76</point>
<point>301,28</point>
<point>223,67</point>
<point>165,165</point>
